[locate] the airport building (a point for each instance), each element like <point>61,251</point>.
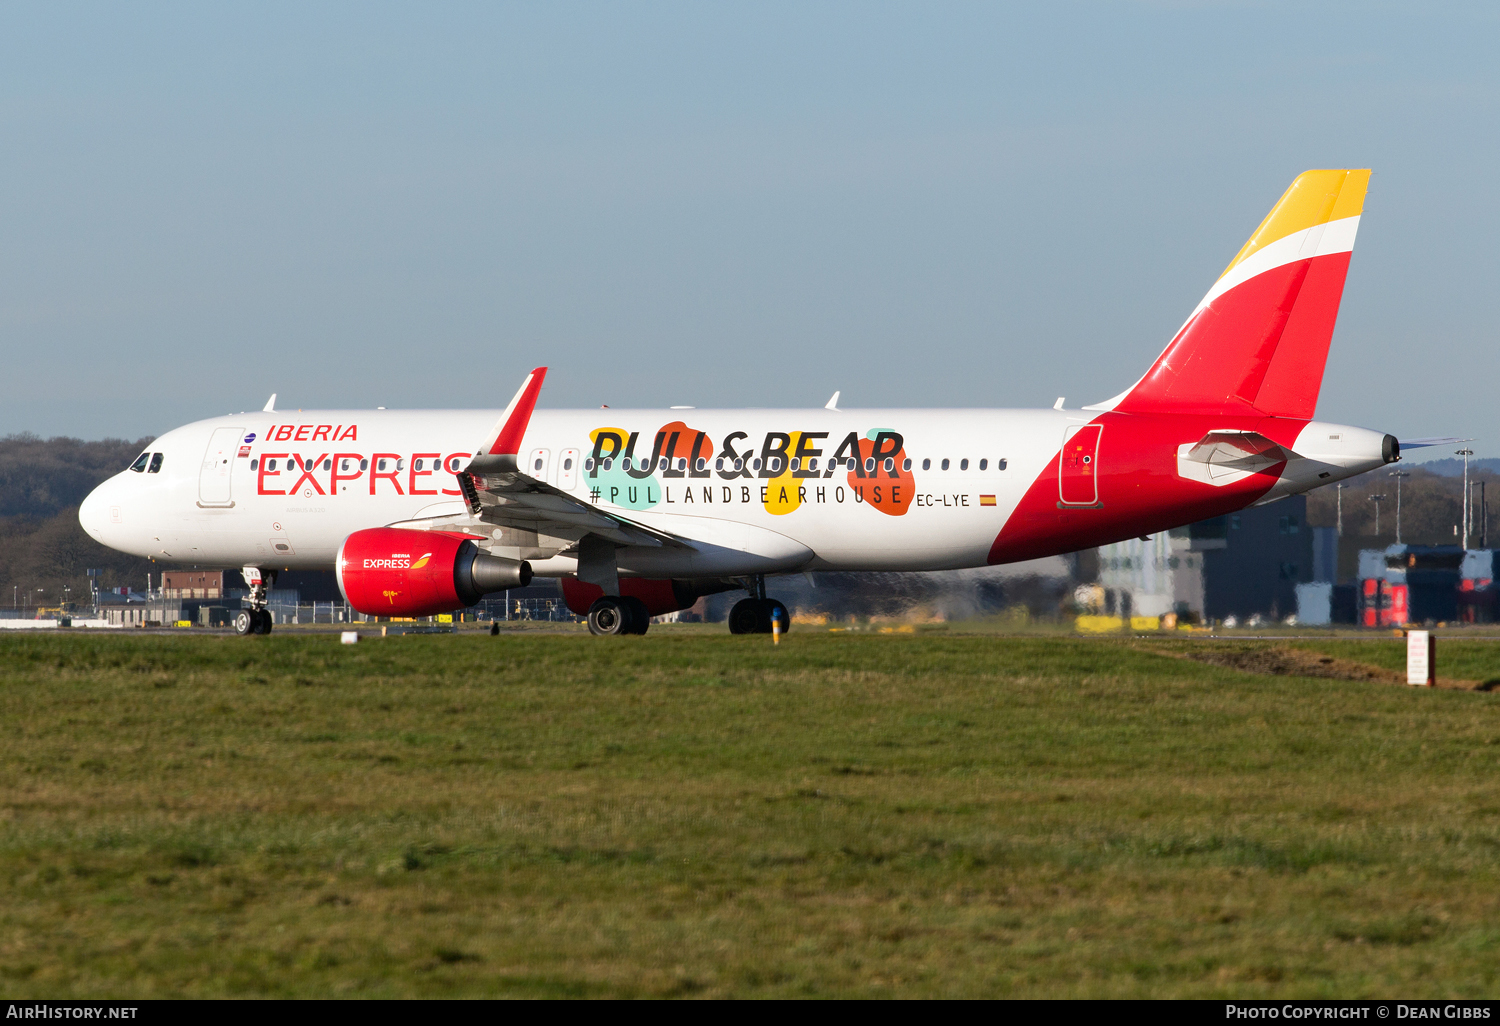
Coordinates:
<point>1243,565</point>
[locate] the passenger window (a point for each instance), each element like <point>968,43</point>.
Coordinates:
<point>999,464</point>
<point>537,466</point>
<point>380,465</point>
<point>364,464</point>
<point>963,464</point>
<point>663,463</point>
<point>926,464</point>
<point>739,464</point>
<point>401,464</point>
<point>588,464</point>
<point>608,462</point>
<point>755,464</point>
<point>852,462</point>
<point>155,463</point>
<point>681,463</point>
<point>271,466</point>
<point>945,464</point>
<point>307,465</point>
<point>568,463</point>
<point>796,463</point>
<point>775,464</point>
<point>984,464</point>
<point>328,464</point>
<point>812,464</point>
<point>719,463</point>
<point>139,466</point>
<point>343,464</point>
<point>255,464</point>
<point>869,464</point>
<point>890,464</point>
<point>700,465</point>
<point>906,464</point>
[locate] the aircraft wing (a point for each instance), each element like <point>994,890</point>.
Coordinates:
<point>497,492</point>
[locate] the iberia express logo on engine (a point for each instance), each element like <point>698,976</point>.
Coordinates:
<point>787,470</point>
<point>398,561</point>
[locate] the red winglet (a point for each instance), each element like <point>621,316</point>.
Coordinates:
<point>511,427</point>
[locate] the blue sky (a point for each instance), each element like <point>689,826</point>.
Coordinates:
<point>717,204</point>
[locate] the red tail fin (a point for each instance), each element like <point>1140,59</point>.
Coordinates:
<point>1258,341</point>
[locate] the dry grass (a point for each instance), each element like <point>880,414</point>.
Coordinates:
<point>686,814</point>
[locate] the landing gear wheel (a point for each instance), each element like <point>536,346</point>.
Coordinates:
<point>640,616</point>
<point>746,617</point>
<point>609,616</point>
<point>245,622</point>
<point>263,621</point>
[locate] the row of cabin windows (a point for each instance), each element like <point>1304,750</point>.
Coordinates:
<point>964,465</point>
<point>773,464</point>
<point>148,463</point>
<point>346,465</point>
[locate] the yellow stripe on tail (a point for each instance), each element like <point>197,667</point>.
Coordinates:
<point>1315,197</point>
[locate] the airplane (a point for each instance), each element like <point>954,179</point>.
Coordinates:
<point>641,512</point>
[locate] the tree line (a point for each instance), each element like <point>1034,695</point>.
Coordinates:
<point>45,555</point>
<point>1431,510</point>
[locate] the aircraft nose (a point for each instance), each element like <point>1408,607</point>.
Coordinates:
<point>93,513</point>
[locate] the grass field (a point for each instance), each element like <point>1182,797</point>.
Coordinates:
<point>701,815</point>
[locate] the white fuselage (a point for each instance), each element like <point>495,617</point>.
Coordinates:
<point>236,491</point>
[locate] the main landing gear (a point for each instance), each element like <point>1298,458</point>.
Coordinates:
<point>618,614</point>
<point>255,618</point>
<point>753,615</point>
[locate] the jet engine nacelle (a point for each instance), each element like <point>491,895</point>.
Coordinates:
<point>394,571</point>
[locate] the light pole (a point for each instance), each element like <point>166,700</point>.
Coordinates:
<point>1465,453</point>
<point>1339,490</point>
<point>1399,475</point>
<point>1377,500</point>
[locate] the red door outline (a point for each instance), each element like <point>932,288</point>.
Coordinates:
<point>1078,466</point>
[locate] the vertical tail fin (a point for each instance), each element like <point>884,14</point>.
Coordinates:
<point>1258,341</point>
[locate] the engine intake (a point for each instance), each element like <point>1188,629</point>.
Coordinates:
<point>394,571</point>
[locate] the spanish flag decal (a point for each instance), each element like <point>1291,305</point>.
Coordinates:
<point>986,500</point>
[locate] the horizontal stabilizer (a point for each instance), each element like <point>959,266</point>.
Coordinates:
<point>1223,457</point>
<point>1422,443</point>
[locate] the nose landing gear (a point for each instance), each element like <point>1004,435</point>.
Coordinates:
<point>255,618</point>
<point>252,621</point>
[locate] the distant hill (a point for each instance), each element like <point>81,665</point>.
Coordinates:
<point>1431,504</point>
<point>1453,467</point>
<point>41,477</point>
<point>44,553</point>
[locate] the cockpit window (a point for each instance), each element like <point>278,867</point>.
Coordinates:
<point>140,462</point>
<point>155,463</point>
